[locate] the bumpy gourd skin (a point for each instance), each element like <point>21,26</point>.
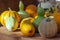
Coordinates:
<point>11,24</point>
<point>6,14</point>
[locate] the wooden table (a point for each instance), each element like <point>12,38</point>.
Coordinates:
<point>6,35</point>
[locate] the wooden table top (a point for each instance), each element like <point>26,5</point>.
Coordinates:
<point>6,35</point>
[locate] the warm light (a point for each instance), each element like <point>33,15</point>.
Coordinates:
<point>57,0</point>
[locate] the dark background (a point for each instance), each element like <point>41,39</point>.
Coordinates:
<point>13,4</point>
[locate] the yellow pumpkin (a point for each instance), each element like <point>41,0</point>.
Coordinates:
<point>32,10</point>
<point>6,14</point>
<point>26,27</point>
<point>0,18</point>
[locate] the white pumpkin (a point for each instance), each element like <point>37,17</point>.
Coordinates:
<point>48,27</point>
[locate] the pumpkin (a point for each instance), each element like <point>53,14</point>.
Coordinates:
<point>57,19</point>
<point>37,21</point>
<point>8,13</point>
<point>32,10</point>
<point>27,27</point>
<point>11,24</point>
<point>48,27</point>
<point>23,14</point>
<point>21,5</point>
<point>0,18</point>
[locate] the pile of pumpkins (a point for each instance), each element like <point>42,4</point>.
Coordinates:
<point>32,19</point>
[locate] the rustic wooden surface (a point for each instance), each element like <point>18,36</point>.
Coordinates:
<point>6,35</point>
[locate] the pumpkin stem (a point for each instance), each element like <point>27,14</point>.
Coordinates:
<point>48,20</point>
<point>9,9</point>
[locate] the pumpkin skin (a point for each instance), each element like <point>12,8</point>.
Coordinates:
<point>27,27</point>
<point>32,10</point>
<point>11,24</point>
<point>57,19</point>
<point>7,14</point>
<point>48,27</point>
<point>29,19</point>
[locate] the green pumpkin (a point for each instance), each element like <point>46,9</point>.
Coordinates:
<point>37,21</point>
<point>23,14</point>
<point>21,5</point>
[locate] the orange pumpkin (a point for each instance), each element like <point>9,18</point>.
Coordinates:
<point>57,18</point>
<point>6,14</point>
<point>32,10</point>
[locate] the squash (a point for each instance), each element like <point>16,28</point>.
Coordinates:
<point>0,18</point>
<point>57,19</point>
<point>21,5</point>
<point>27,27</point>
<point>23,14</point>
<point>11,24</point>
<point>32,10</point>
<point>37,21</point>
<point>48,27</point>
<point>29,19</point>
<point>8,13</point>
<point>40,11</point>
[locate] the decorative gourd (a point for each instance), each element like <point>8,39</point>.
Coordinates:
<point>26,27</point>
<point>37,21</point>
<point>29,19</point>
<point>11,24</point>
<point>21,5</point>
<point>57,18</point>
<point>40,10</point>
<point>23,14</point>
<point>48,27</point>
<point>32,10</point>
<point>6,14</point>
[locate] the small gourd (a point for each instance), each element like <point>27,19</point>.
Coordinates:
<point>48,27</point>
<point>40,10</point>
<point>6,14</point>
<point>32,10</point>
<point>27,27</point>
<point>37,21</point>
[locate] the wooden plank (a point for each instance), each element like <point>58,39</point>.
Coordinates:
<point>6,35</point>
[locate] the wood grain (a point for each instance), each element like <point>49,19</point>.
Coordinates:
<point>6,35</point>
